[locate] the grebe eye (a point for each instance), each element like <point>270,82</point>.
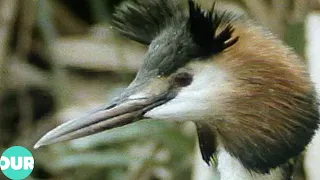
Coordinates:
<point>182,79</point>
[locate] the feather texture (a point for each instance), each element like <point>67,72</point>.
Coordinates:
<point>143,21</point>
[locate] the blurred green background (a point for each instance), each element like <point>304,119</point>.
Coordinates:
<point>61,58</point>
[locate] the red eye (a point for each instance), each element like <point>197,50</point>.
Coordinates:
<point>182,79</point>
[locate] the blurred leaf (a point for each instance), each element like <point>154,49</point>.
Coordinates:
<point>98,10</point>
<point>295,38</point>
<point>92,159</point>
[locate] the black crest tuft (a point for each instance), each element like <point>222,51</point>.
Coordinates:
<point>204,27</point>
<point>143,21</point>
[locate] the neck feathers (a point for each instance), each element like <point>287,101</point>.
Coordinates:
<point>270,113</point>
<point>231,168</point>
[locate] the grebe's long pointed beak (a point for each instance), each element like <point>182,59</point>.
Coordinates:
<point>123,111</point>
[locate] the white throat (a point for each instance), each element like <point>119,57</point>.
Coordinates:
<point>231,169</point>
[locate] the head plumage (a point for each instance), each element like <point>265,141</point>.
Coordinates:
<point>143,21</point>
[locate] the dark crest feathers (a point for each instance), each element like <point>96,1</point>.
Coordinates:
<point>204,26</point>
<point>142,21</point>
<point>207,142</point>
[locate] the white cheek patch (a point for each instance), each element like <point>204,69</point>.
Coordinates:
<point>196,101</point>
